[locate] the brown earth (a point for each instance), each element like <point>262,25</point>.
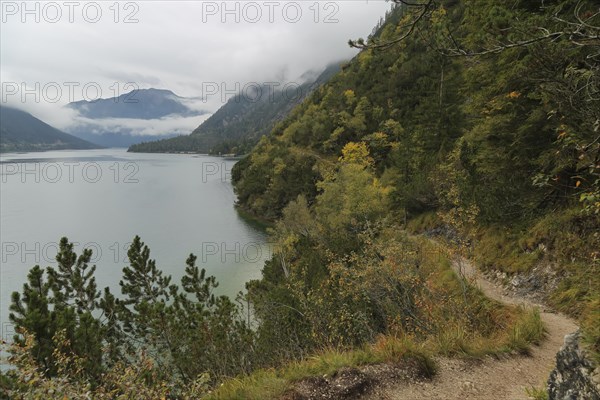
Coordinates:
<point>507,378</point>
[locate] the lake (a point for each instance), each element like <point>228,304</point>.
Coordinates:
<point>100,199</point>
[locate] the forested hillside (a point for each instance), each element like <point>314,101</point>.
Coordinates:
<point>503,128</point>
<point>238,125</point>
<point>478,119</point>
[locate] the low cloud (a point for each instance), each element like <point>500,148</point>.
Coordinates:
<point>175,45</point>
<point>167,126</point>
<point>70,121</point>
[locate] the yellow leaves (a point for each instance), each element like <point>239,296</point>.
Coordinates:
<point>290,242</point>
<point>278,166</point>
<point>364,59</point>
<point>356,153</point>
<point>350,96</point>
<point>514,95</point>
<point>379,136</point>
<point>385,190</point>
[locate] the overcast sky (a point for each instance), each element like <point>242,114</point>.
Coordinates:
<point>178,45</point>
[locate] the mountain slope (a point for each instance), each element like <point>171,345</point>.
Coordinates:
<point>242,121</point>
<point>499,150</point>
<point>138,104</point>
<point>21,131</point>
<point>486,123</point>
<point>134,117</point>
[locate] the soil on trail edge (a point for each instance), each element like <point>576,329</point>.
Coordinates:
<point>491,378</point>
<point>506,378</point>
<point>353,383</point>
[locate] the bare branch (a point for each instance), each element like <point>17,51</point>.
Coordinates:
<point>579,31</point>
<point>425,8</point>
<point>500,48</point>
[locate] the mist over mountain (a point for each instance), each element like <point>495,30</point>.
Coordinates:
<point>21,131</point>
<point>238,125</point>
<point>137,104</point>
<point>134,117</point>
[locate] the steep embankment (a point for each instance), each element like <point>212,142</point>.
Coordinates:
<point>504,142</point>
<point>507,378</point>
<point>502,377</point>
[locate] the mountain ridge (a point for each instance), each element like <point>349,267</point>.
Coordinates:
<point>133,117</point>
<point>21,131</point>
<point>242,120</point>
<point>137,104</point>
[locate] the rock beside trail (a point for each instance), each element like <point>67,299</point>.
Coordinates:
<point>574,377</point>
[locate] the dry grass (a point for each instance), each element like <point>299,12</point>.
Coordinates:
<point>466,325</point>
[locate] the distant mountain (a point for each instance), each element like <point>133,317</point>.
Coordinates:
<point>238,125</point>
<point>21,131</point>
<point>121,121</point>
<point>137,104</point>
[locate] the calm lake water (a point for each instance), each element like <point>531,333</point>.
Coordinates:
<point>101,199</point>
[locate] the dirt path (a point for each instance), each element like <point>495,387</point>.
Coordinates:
<point>505,379</point>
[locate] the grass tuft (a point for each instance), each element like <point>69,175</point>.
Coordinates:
<point>528,329</point>
<point>537,393</point>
